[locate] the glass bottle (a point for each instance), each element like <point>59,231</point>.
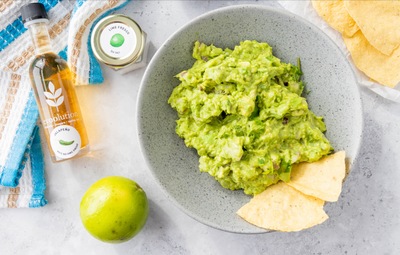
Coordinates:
<point>54,92</point>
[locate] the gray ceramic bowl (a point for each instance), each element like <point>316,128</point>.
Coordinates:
<point>334,95</point>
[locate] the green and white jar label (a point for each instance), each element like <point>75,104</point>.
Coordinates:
<point>118,40</point>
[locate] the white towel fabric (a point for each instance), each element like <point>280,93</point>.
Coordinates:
<point>22,182</point>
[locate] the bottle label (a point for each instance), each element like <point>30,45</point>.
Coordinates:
<point>118,40</point>
<point>65,141</point>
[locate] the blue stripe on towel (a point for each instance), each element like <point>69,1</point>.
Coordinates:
<point>11,32</point>
<point>12,170</point>
<point>38,179</point>
<point>16,28</point>
<point>48,4</point>
<point>95,73</point>
<point>63,53</point>
<point>78,4</point>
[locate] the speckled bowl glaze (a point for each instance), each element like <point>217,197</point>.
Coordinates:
<point>333,94</point>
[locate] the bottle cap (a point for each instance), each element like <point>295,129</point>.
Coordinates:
<point>33,11</point>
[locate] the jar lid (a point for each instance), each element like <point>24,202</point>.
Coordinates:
<point>117,41</point>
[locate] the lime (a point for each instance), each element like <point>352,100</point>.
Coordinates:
<point>114,209</point>
<point>117,40</point>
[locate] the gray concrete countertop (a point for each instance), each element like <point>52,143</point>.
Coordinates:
<point>365,220</point>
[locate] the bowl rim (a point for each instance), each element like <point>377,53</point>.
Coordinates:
<point>161,50</point>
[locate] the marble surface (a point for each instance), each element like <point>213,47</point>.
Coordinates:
<point>365,220</point>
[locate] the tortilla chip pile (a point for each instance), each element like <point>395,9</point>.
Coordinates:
<point>370,30</point>
<point>298,204</point>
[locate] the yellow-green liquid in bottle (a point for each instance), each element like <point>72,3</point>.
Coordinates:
<point>56,98</point>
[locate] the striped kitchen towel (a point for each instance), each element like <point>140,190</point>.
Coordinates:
<point>22,181</point>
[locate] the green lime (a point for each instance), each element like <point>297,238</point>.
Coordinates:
<point>114,209</point>
<point>117,40</point>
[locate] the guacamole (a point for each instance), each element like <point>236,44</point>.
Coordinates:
<point>242,111</point>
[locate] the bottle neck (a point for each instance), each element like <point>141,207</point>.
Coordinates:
<point>40,38</point>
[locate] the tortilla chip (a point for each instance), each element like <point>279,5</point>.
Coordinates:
<point>378,66</point>
<point>379,21</point>
<point>322,179</point>
<point>337,16</point>
<point>283,208</point>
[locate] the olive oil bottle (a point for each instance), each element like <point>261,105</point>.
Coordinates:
<point>54,91</point>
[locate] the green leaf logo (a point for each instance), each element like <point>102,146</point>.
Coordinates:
<point>55,95</point>
<point>117,40</point>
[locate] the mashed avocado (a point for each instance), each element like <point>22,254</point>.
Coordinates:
<point>242,111</point>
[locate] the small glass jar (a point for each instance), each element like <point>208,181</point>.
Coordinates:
<point>118,42</point>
